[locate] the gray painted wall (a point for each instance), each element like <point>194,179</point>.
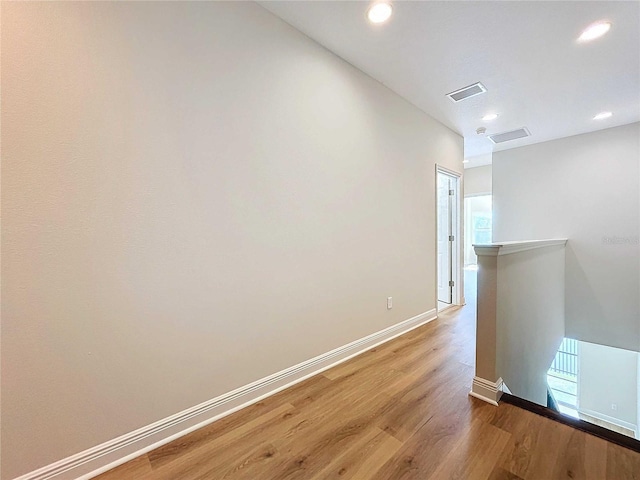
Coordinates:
<point>194,196</point>
<point>606,377</point>
<point>584,188</point>
<point>477,180</point>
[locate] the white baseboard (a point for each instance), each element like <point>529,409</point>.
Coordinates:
<point>612,420</point>
<point>99,459</point>
<point>486,390</point>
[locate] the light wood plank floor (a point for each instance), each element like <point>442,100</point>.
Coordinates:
<point>399,411</point>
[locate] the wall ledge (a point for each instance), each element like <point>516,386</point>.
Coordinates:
<point>506,248</point>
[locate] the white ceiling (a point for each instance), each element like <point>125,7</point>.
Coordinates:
<point>525,53</point>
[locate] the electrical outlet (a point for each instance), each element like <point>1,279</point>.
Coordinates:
<point>389,303</point>
<point>614,406</point>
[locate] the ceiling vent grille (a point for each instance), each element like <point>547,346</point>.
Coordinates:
<point>467,92</point>
<point>508,136</point>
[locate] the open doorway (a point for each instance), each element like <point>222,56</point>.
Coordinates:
<point>448,234</point>
<point>477,230</point>
<point>477,226</point>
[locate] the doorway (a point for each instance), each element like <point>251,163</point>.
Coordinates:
<point>478,224</point>
<point>448,232</point>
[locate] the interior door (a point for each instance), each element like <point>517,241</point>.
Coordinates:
<point>446,221</point>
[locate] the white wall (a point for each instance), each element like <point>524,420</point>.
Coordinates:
<point>477,181</point>
<point>530,318</point>
<point>584,188</point>
<point>520,317</point>
<point>194,196</point>
<point>608,376</point>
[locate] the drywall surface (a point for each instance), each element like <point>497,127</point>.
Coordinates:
<point>583,188</point>
<point>529,318</point>
<point>477,181</point>
<point>194,196</point>
<point>608,383</point>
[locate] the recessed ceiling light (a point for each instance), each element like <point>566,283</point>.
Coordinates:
<point>593,31</point>
<point>380,12</point>
<point>602,115</point>
<point>490,116</point>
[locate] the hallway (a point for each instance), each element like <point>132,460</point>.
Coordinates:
<point>399,411</point>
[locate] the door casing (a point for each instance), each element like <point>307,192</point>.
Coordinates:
<point>457,297</point>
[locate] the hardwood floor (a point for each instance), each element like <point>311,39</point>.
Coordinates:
<point>399,411</point>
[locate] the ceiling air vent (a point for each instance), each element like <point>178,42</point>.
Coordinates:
<point>508,136</point>
<point>466,92</point>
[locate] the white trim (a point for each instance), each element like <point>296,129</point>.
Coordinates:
<point>613,420</point>
<point>506,248</point>
<point>448,171</point>
<point>487,390</point>
<point>108,455</point>
<point>458,254</point>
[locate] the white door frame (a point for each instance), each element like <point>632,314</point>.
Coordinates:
<point>457,297</point>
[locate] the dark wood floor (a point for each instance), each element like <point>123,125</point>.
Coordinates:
<point>399,411</point>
